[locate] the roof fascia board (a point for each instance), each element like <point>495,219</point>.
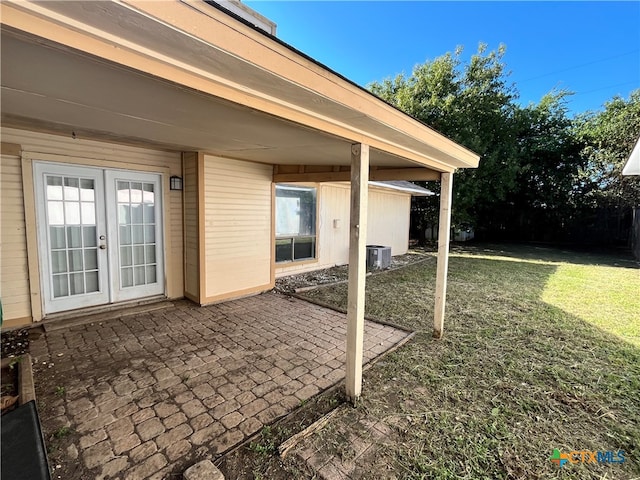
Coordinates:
<point>279,58</point>
<point>36,19</point>
<point>417,191</point>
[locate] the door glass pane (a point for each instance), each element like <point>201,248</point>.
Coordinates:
<point>125,235</point>
<point>138,275</point>
<point>137,234</point>
<point>124,214</point>
<point>54,188</point>
<point>74,238</point>
<point>151,274</point>
<point>75,260</point>
<point>123,192</point>
<point>56,213</point>
<point>89,236</point>
<point>60,285</point>
<point>88,210</point>
<point>71,212</point>
<point>138,255</point>
<point>91,281</point>
<point>149,214</point>
<point>150,256</point>
<point>59,261</point>
<point>87,190</point>
<point>91,259</point>
<point>149,233</point>
<point>136,213</point>
<point>148,193</point>
<point>126,257</point>
<point>136,217</point>
<point>56,235</point>
<point>76,283</point>
<point>71,191</point>
<point>127,277</point>
<point>136,192</point>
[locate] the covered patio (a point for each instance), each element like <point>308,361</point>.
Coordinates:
<point>146,395</point>
<point>234,102</point>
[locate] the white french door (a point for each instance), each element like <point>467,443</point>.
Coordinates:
<point>99,235</point>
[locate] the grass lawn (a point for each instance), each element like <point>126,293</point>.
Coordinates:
<point>541,350</point>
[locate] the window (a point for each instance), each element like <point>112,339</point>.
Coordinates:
<point>295,223</point>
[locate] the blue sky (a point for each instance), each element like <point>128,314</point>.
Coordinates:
<point>590,48</point>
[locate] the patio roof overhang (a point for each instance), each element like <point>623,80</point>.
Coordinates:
<point>186,76</point>
<point>225,87</point>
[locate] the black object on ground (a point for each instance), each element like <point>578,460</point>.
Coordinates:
<point>23,452</point>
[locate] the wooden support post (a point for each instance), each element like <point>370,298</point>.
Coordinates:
<point>357,269</point>
<point>444,233</point>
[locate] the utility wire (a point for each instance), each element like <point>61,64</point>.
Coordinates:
<point>604,88</point>
<point>580,66</point>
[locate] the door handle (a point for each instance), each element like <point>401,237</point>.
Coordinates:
<point>103,247</point>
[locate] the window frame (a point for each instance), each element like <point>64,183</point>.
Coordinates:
<point>292,238</point>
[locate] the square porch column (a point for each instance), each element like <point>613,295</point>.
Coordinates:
<point>357,269</point>
<point>444,234</point>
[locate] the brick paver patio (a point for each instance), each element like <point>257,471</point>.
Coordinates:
<point>142,392</point>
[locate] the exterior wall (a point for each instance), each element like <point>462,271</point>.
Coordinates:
<point>14,281</point>
<point>238,245</point>
<point>388,224</point>
<point>191,230</point>
<point>388,220</point>
<point>17,203</point>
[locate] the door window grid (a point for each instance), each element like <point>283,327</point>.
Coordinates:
<point>73,235</point>
<point>137,233</point>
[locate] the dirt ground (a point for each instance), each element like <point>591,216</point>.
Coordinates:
<point>258,457</point>
<point>340,273</point>
<point>14,344</point>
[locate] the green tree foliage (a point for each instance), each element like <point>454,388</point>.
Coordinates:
<point>548,189</point>
<point>473,104</point>
<point>609,137</point>
<point>539,169</point>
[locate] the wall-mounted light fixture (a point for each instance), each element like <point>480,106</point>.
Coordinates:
<point>175,183</point>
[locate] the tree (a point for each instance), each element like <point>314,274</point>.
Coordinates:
<point>548,189</point>
<point>473,104</point>
<point>542,175</point>
<point>609,137</point>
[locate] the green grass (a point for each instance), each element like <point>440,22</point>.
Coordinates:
<point>540,351</point>
<point>604,296</point>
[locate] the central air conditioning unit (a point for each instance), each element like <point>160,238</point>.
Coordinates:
<point>378,257</point>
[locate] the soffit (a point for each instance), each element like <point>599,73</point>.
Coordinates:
<point>137,28</point>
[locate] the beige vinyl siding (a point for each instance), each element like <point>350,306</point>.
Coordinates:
<point>14,283</point>
<point>388,219</point>
<point>191,230</point>
<point>107,155</point>
<point>237,227</point>
<point>388,224</point>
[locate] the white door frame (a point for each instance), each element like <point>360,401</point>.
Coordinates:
<point>107,231</point>
<point>118,292</point>
<point>68,302</point>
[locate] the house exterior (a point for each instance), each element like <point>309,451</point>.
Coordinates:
<point>107,106</point>
<point>387,223</point>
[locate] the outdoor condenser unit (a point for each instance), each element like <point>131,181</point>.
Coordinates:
<point>378,257</point>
